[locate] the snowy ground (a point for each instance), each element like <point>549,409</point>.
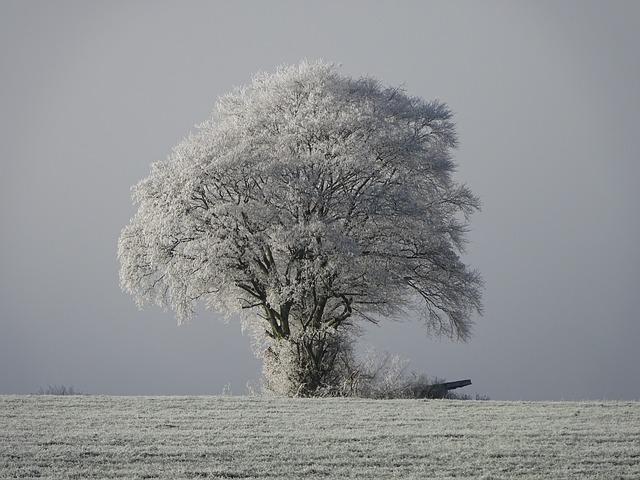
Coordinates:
<point>240,437</point>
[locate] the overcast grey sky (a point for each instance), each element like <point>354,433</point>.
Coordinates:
<point>547,103</point>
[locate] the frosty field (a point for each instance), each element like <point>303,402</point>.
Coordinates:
<point>252,437</point>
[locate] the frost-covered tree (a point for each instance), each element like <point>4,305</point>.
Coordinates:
<point>311,201</point>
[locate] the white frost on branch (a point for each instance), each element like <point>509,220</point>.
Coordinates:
<point>314,200</point>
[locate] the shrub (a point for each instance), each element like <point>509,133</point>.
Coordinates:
<point>58,390</point>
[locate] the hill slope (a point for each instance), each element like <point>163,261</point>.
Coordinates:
<point>240,437</point>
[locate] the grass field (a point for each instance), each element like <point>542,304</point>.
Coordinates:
<point>247,437</point>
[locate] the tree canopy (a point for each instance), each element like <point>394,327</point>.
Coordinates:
<point>315,201</point>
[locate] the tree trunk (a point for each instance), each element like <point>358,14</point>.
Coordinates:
<point>311,364</point>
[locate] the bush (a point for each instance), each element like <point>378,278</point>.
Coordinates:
<point>384,376</point>
<point>371,375</point>
<point>58,390</point>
